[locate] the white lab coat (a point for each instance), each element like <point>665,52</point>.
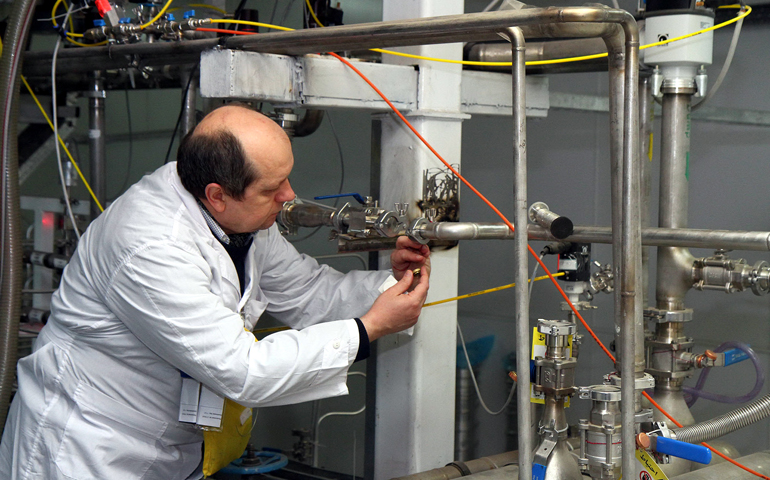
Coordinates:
<point>150,292</point>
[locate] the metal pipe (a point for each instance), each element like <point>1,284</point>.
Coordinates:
<point>632,328</point>
<point>11,268</point>
<point>96,140</point>
<point>646,117</point>
<point>726,423</point>
<point>759,461</point>
<point>461,469</point>
<point>590,21</point>
<point>310,122</point>
<point>674,278</point>
<point>537,51</point>
<point>520,253</point>
<point>190,93</point>
<point>651,236</point>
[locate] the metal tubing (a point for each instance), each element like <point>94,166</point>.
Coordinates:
<point>726,423</point>
<point>96,140</point>
<point>190,84</point>
<point>646,117</point>
<point>632,328</point>
<point>445,29</point>
<point>461,469</point>
<point>651,236</point>
<point>674,277</point>
<point>11,269</point>
<point>520,253</point>
<point>537,51</point>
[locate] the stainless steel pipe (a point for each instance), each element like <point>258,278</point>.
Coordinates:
<point>674,279</point>
<point>651,236</point>
<point>190,94</point>
<point>520,253</point>
<point>97,146</point>
<point>535,22</point>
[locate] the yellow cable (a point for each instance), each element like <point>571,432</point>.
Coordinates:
<point>79,44</point>
<point>210,7</point>
<point>53,19</point>
<point>474,294</point>
<point>160,14</point>
<point>310,8</point>
<point>50,124</point>
<point>256,24</point>
<point>490,290</point>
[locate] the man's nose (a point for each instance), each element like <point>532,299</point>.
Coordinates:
<point>286,194</point>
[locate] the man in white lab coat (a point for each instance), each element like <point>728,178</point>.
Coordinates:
<point>172,278</point>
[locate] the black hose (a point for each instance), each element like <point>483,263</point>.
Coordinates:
<point>11,257</point>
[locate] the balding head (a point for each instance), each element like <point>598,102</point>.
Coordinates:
<point>232,146</point>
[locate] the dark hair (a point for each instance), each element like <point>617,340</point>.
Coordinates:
<point>214,158</point>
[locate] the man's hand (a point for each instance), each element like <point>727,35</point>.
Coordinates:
<point>398,307</point>
<point>410,255</point>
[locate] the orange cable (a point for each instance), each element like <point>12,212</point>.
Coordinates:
<point>508,223</point>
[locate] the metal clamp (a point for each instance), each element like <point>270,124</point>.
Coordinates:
<point>666,316</point>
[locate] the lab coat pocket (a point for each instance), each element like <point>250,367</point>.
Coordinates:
<point>105,439</point>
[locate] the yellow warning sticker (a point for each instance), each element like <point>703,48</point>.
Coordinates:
<point>538,350</point>
<point>647,469</point>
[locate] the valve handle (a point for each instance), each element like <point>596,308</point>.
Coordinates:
<point>688,451</point>
<point>357,196</point>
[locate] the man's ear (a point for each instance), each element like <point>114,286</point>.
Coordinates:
<point>216,196</point>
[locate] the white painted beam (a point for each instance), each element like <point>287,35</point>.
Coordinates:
<point>322,82</point>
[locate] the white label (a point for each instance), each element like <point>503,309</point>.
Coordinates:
<point>567,264</point>
<point>210,408</point>
<point>94,134</point>
<point>188,402</point>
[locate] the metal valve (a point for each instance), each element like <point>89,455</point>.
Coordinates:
<point>401,208</point>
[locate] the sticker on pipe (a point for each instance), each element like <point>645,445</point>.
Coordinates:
<point>646,468</point>
<point>538,350</point>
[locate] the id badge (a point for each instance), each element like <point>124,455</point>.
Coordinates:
<point>200,405</point>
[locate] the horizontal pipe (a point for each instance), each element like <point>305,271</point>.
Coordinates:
<point>665,237</point>
<point>536,51</point>
<point>461,469</point>
<point>535,23</point>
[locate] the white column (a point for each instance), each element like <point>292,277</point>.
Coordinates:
<point>414,430</point>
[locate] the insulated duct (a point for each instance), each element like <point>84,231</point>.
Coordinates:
<point>11,258</point>
<point>727,423</point>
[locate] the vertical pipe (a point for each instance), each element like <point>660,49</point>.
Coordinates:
<point>521,309</point>
<point>96,140</point>
<point>11,269</point>
<point>645,159</point>
<point>632,327</point>
<point>673,282</point>
<point>190,93</point>
<point>617,74</point>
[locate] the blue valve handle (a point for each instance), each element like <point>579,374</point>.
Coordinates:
<point>688,451</point>
<point>357,196</point>
<point>735,355</point>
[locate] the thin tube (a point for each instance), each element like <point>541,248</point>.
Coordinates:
<point>521,305</point>
<point>725,68</point>
<point>698,391</point>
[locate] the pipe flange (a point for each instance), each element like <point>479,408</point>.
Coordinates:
<point>685,85</point>
<point>388,224</point>
<point>666,316</point>
<point>605,393</point>
<point>640,383</point>
<point>413,232</point>
<point>555,327</point>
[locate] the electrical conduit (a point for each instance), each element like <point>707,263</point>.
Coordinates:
<point>11,258</point>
